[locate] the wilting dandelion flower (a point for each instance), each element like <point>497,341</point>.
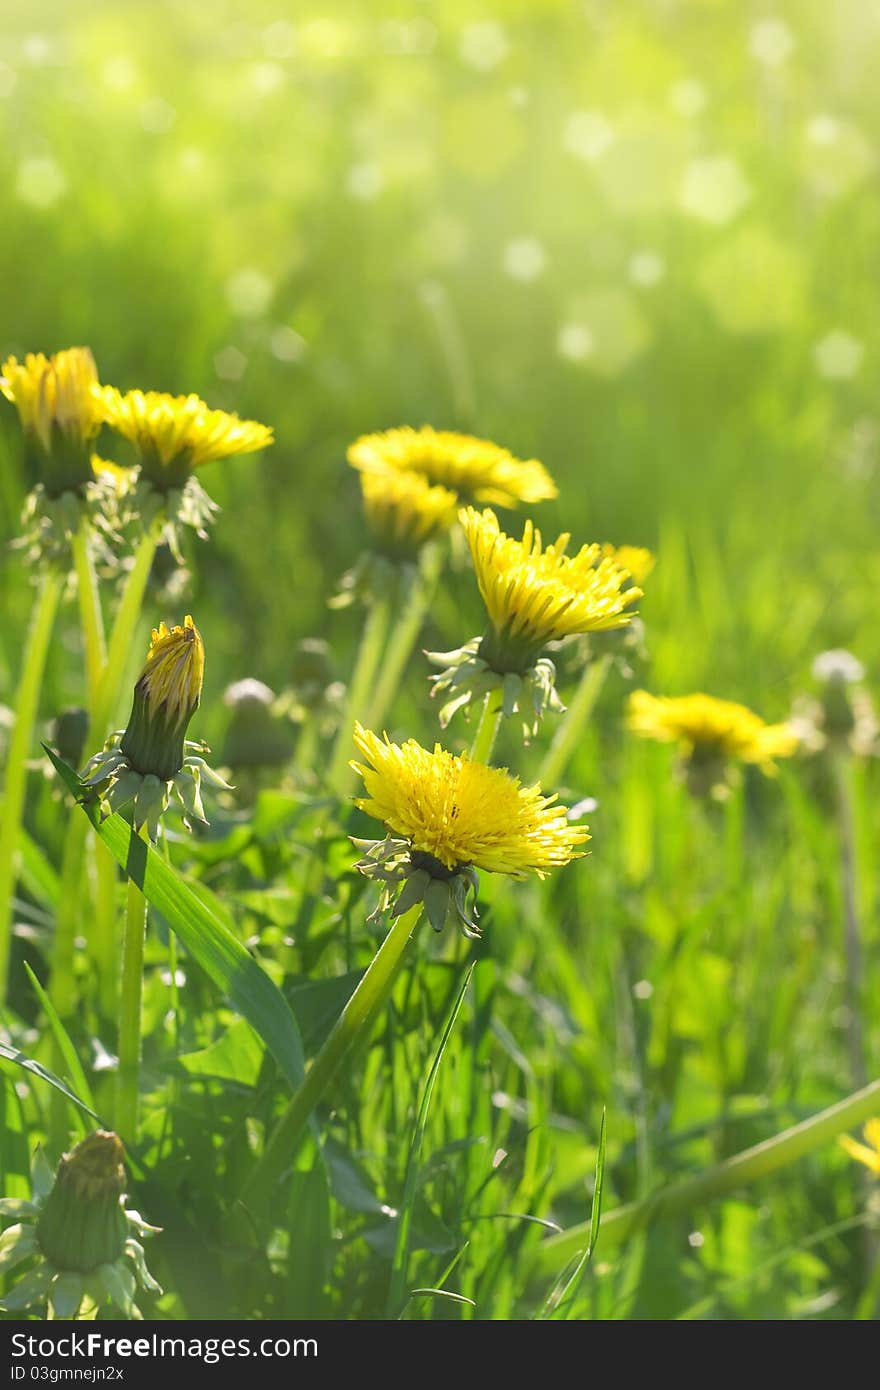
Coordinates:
<point>534,594</point>
<point>867,1153</point>
<point>710,732</point>
<point>448,817</point>
<point>476,469</point>
<point>173,436</point>
<point>83,1240</point>
<point>141,764</point>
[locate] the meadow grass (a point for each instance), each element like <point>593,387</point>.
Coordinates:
<point>317,221</point>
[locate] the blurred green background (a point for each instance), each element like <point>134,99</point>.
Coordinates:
<point>638,241</point>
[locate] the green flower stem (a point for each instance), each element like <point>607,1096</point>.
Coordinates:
<point>26,706</point>
<point>567,735</point>
<point>405,636</point>
<point>487,729</point>
<point>122,635</point>
<point>103,931</point>
<point>307,742</point>
<point>733,1173</point>
<point>369,657</point>
<point>91,618</point>
<point>358,1015</point>
<point>127,1081</point>
<point>71,911</point>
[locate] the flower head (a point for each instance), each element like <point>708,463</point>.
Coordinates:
<point>476,469</point>
<point>59,411</point>
<point>152,755</point>
<point>709,732</point>
<point>536,593</point>
<point>449,817</point>
<point>173,435</point>
<point>82,1239</point>
<point>867,1153</point>
<point>404,510</point>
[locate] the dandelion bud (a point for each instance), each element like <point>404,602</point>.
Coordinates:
<point>82,1224</point>
<point>152,756</point>
<point>837,673</point>
<point>77,1234</point>
<point>166,697</point>
<point>60,414</point>
<point>69,733</point>
<point>256,737</point>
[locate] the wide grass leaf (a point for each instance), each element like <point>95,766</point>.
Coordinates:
<point>210,943</point>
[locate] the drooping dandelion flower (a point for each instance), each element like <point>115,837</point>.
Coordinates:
<point>448,817</point>
<point>710,732</point>
<point>476,469</point>
<point>534,594</point>
<point>80,1238</point>
<point>142,764</point>
<point>174,435</point>
<point>404,511</point>
<point>867,1153</point>
<point>59,413</point>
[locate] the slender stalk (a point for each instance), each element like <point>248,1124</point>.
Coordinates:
<point>121,636</point>
<point>91,618</point>
<point>70,905</point>
<point>487,729</point>
<point>102,935</point>
<point>15,785</point>
<point>404,637</point>
<point>368,660</point>
<point>580,707</point>
<point>127,1082</point>
<point>852,935</point>
<point>358,1015</point>
<point>733,1173</point>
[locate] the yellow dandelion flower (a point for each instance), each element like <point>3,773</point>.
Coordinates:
<point>634,558</point>
<point>403,510</point>
<point>476,469</point>
<point>463,814</point>
<point>55,400</point>
<point>710,727</point>
<point>867,1153</point>
<point>173,435</point>
<point>535,594</point>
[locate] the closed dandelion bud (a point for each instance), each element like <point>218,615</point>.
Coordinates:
<point>166,697</point>
<point>256,737</point>
<point>82,1224</point>
<point>60,414</point>
<point>69,733</point>
<point>312,672</point>
<point>77,1236</point>
<point>152,756</point>
<point>847,715</point>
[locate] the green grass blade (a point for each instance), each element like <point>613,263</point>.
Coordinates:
<point>563,1295</point>
<point>12,1054</point>
<point>62,1038</point>
<point>211,944</point>
<point>36,873</point>
<point>401,1253</point>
